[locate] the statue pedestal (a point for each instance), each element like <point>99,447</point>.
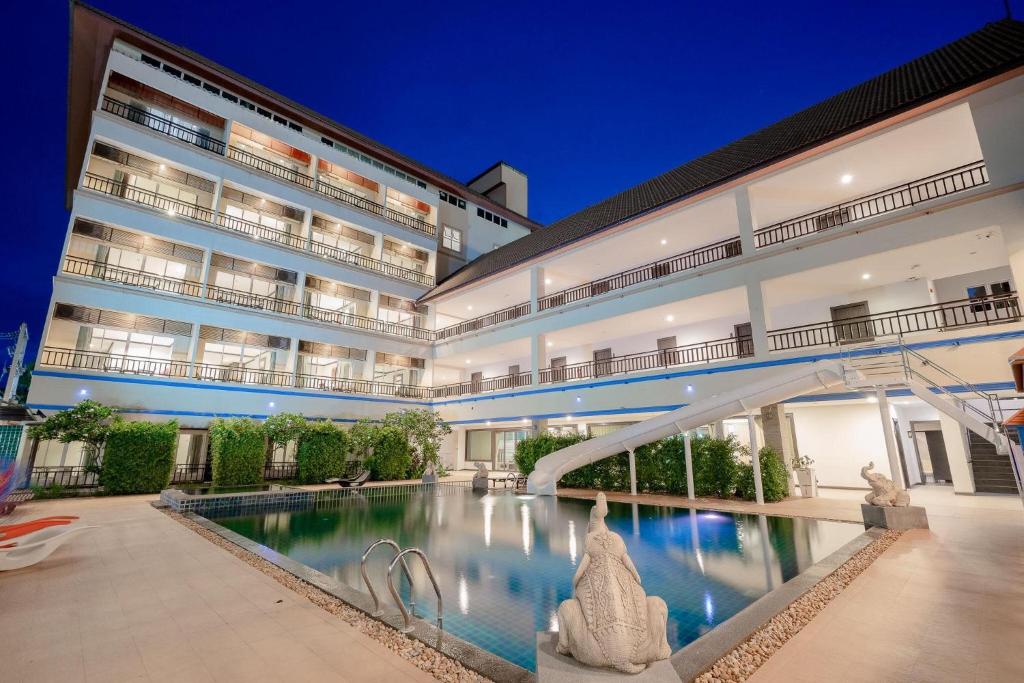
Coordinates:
<point>481,484</point>
<point>429,478</point>
<point>555,668</point>
<point>908,517</point>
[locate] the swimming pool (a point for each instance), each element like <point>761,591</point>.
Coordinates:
<point>505,561</point>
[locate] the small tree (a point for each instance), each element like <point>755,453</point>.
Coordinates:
<point>322,453</point>
<point>714,466</point>
<point>283,428</point>
<point>774,482</point>
<point>424,430</point>
<point>391,459</point>
<point>89,422</point>
<point>361,438</point>
<point>237,447</point>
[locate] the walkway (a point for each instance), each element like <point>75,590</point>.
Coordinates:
<point>142,598</point>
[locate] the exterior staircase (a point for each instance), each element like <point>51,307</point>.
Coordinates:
<point>993,472</point>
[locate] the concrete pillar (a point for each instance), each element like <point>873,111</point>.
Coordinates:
<point>689,465</point>
<point>307,228</point>
<point>205,280</point>
<point>193,350</point>
<point>632,472</point>
<point>719,429</point>
<point>369,365</point>
<point>758,318</point>
<point>538,357</point>
<point>537,287</point>
<point>777,433</point>
<point>958,454</point>
<point>744,219</point>
<point>374,306</point>
<point>996,114</point>
<point>755,460</point>
<point>895,471</point>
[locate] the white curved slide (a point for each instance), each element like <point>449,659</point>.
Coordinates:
<point>796,382</point>
<point>37,546</point>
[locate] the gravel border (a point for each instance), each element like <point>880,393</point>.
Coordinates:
<point>428,659</point>
<point>748,656</point>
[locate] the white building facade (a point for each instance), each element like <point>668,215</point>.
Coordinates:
<point>226,258</point>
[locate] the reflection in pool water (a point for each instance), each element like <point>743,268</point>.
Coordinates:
<point>505,561</point>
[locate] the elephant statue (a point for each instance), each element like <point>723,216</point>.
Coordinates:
<point>610,621</point>
<point>884,491</point>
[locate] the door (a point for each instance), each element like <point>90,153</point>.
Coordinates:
<point>513,376</point>
<point>665,354</point>
<point>476,381</point>
<point>602,366</point>
<point>744,340</point>
<point>899,449</point>
<point>558,369</point>
<point>852,322</point>
<point>937,453</point>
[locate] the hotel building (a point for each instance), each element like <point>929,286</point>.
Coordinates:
<point>232,253</point>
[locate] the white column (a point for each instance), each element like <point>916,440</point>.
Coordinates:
<point>758,319</point>
<point>374,306</point>
<point>744,220</point>
<point>958,454</point>
<point>193,349</point>
<point>307,228</point>
<point>368,366</point>
<point>689,465</point>
<point>537,290</point>
<point>632,472</point>
<point>755,460</point>
<point>293,358</point>
<point>538,357</point>
<point>205,281</point>
<point>218,192</point>
<point>895,471</point>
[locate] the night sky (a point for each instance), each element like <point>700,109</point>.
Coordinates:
<point>586,98</point>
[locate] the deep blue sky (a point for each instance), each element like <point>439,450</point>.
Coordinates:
<point>586,99</point>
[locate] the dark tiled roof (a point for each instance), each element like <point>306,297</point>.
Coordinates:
<point>994,49</point>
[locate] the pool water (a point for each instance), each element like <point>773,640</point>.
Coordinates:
<point>504,561</point>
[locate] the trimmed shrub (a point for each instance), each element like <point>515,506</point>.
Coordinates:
<point>391,459</point>
<point>532,449</point>
<point>660,467</point>
<point>238,451</point>
<point>714,466</point>
<point>773,477</point>
<point>139,457</point>
<point>323,450</point>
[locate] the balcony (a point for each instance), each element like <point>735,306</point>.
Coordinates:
<point>951,315</point>
<point>495,318</point>
<point>256,302</point>
<point>239,374</point>
<point>72,359</point>
<point>162,125</point>
<point>702,352</point>
<point>512,381</point>
<point>887,201</point>
<point>74,265</point>
<point>361,386</point>
<point>328,190</point>
<point>364,323</point>
<point>173,207</point>
<point>711,253</point>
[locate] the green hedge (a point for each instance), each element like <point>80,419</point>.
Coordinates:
<point>532,449</point>
<point>391,459</point>
<point>774,485</point>
<point>238,451</point>
<point>139,457</point>
<point>714,466</point>
<point>323,451</point>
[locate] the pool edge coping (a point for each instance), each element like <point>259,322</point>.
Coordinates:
<point>469,655</point>
<point>698,656</point>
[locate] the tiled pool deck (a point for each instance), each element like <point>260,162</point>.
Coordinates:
<point>144,598</point>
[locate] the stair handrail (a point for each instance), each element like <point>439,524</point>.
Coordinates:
<point>398,600</point>
<point>377,611</point>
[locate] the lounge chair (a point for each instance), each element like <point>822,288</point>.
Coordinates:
<point>351,481</point>
<point>15,499</point>
<point>36,547</point>
<point>9,531</point>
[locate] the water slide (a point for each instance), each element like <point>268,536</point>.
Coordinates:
<point>803,379</point>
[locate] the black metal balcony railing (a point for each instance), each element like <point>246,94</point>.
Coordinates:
<point>988,310</point>
<point>362,322</point>
<point>161,124</point>
<point>69,477</point>
<point>334,192</point>
<point>520,379</point>
<point>356,259</point>
<point>256,231</point>
<point>504,315</point>
<point>360,386</point>
<point>130,276</point>
<point>892,199</point>
<point>719,251</point>
<point>369,206</point>
<point>115,363</point>
<point>240,374</point>
<point>277,470</point>
<point>702,352</point>
<point>269,167</point>
<point>186,473</point>
<point>168,205</point>
<point>256,302</point>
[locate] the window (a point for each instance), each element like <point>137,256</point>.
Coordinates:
<point>488,216</point>
<point>451,238</point>
<point>124,343</point>
<point>452,199</point>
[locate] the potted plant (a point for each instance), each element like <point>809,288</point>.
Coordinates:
<point>802,465</point>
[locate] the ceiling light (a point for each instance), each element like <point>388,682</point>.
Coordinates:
<point>488,423</point>
<point>579,398</point>
<point>689,387</point>
<point>547,281</point>
<point>568,417</point>
<point>526,420</point>
<point>83,392</point>
<point>846,179</point>
<point>669,318</point>
<point>865,276</point>
<point>467,361</point>
<point>550,344</point>
<point>162,167</point>
<point>664,242</point>
<point>271,404</point>
<point>170,212</point>
<point>872,399</point>
<point>469,308</point>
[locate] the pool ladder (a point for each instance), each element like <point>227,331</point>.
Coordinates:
<point>399,559</point>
